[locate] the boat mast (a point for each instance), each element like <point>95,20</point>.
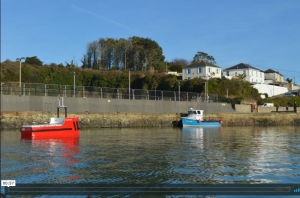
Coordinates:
<point>61,106</point>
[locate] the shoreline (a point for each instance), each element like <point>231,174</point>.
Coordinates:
<point>14,120</point>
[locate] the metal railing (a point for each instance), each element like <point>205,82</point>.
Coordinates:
<point>55,90</point>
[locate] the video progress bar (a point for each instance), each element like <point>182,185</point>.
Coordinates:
<point>169,189</point>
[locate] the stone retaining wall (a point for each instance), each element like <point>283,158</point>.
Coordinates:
<point>13,120</point>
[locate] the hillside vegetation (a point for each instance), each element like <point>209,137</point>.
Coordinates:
<point>53,74</point>
<point>238,90</point>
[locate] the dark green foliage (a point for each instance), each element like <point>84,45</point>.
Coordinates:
<point>281,101</point>
<point>33,61</point>
<point>194,85</point>
<point>135,53</point>
<point>203,56</point>
<point>175,67</point>
<point>289,80</point>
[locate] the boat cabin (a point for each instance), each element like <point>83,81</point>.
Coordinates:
<point>195,114</point>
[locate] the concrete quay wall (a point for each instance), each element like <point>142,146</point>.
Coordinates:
<point>13,120</point>
<point>106,105</point>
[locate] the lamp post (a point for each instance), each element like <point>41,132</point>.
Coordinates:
<point>74,86</point>
<point>20,77</point>
<point>227,92</point>
<point>178,90</point>
<point>207,97</point>
<point>129,83</point>
<point>155,93</point>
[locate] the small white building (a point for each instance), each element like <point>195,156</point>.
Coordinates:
<point>252,74</point>
<point>201,69</point>
<point>272,76</point>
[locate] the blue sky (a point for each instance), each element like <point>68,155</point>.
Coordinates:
<point>262,33</point>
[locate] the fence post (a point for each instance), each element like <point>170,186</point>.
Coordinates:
<point>83,91</point>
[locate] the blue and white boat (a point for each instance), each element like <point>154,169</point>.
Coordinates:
<point>195,118</point>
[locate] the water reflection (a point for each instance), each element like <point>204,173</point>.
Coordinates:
<point>41,159</point>
<point>156,155</point>
<point>200,130</point>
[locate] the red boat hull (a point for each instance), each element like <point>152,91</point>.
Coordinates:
<point>69,128</point>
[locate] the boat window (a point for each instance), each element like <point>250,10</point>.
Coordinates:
<point>74,126</point>
<point>194,112</point>
<point>77,125</point>
<point>199,112</point>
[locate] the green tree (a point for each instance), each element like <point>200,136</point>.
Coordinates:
<point>242,77</point>
<point>180,61</point>
<point>135,53</point>
<point>289,80</point>
<point>175,67</point>
<point>33,61</point>
<point>203,56</point>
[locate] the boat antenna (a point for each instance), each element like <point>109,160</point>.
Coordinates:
<point>197,101</point>
<point>61,106</point>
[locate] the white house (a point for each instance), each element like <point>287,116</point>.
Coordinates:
<point>253,75</point>
<point>272,76</point>
<point>201,69</point>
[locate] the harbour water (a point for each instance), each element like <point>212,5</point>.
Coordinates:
<point>228,155</point>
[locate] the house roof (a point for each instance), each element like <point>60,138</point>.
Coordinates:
<point>201,63</point>
<point>241,66</point>
<point>272,71</point>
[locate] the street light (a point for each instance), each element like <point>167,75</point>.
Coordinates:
<point>227,92</point>
<point>129,83</point>
<point>206,88</point>
<point>74,86</point>
<point>20,77</point>
<point>178,90</point>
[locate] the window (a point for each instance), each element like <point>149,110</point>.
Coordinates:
<point>209,70</point>
<point>217,71</point>
<point>244,71</point>
<point>188,71</point>
<point>199,70</point>
<point>235,73</point>
<point>227,73</point>
<point>189,78</point>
